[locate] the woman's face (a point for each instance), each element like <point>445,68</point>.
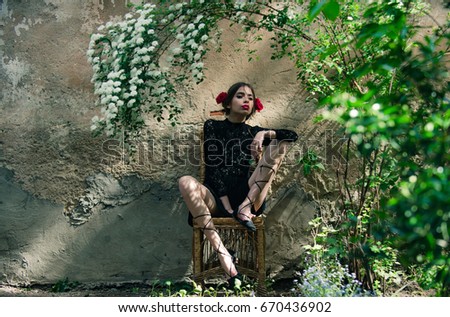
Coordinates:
<point>243,101</point>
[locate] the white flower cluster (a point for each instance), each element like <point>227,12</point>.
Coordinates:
<point>129,75</point>
<point>189,47</point>
<point>117,56</point>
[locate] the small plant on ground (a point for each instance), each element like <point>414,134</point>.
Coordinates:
<point>191,289</point>
<point>328,278</point>
<point>324,275</point>
<point>64,285</point>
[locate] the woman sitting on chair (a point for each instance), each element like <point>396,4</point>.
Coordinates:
<point>230,188</point>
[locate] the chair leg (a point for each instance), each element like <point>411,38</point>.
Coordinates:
<point>261,260</point>
<point>197,254</point>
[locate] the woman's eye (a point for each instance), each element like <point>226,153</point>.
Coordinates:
<point>240,96</point>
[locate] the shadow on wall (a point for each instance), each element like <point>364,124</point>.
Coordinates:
<point>131,229</point>
<point>144,240</point>
<point>287,229</point>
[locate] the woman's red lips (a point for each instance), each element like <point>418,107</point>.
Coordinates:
<point>245,107</point>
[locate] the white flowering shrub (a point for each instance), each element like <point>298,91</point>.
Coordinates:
<point>139,62</point>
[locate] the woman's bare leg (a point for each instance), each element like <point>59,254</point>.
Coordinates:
<point>262,177</point>
<point>201,204</point>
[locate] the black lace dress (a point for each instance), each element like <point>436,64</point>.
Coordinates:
<point>228,160</point>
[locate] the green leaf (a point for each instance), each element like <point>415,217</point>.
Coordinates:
<point>329,51</point>
<point>316,8</point>
<point>320,166</point>
<point>331,10</point>
<point>307,169</point>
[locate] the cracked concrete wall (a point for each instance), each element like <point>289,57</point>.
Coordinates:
<point>73,206</point>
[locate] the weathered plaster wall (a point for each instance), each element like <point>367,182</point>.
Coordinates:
<point>72,206</point>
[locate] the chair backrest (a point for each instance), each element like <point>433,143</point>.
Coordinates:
<point>202,157</point>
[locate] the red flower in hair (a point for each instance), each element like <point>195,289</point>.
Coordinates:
<point>258,105</point>
<point>221,97</point>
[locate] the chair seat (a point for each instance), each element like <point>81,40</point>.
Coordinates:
<point>249,248</point>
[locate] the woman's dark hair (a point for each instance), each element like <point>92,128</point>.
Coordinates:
<point>230,95</point>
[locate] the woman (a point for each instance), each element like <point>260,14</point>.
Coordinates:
<point>230,188</point>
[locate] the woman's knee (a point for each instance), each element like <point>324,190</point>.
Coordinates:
<point>187,183</point>
<point>278,146</point>
<point>275,152</point>
<point>283,147</point>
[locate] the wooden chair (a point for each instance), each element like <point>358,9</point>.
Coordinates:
<point>249,247</point>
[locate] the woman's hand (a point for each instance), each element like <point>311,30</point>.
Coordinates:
<point>257,144</point>
<point>226,204</point>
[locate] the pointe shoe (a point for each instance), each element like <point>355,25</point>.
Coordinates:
<point>246,223</point>
<point>235,281</point>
